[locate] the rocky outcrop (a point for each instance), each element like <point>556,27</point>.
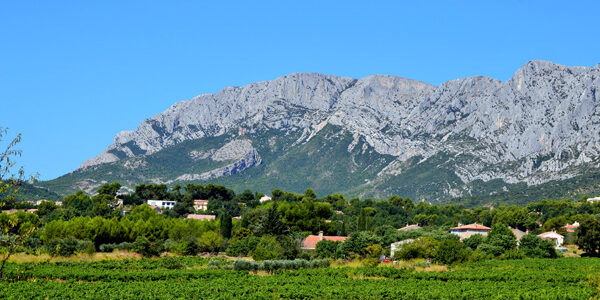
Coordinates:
<point>538,126</point>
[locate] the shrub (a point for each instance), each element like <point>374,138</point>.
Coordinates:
<point>474,241</point>
<point>171,263</point>
<point>242,247</point>
<point>423,247</point>
<point>63,247</point>
<point>370,262</point>
<point>144,247</point>
<point>512,254</point>
<point>451,251</point>
<point>188,246</point>
<point>211,241</point>
<point>533,246</point>
<point>215,263</point>
<point>268,248</point>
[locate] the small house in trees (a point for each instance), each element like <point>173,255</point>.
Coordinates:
<point>571,227</point>
<point>556,238</point>
<point>162,204</point>
<point>310,242</point>
<point>201,205</point>
<point>398,245</point>
<point>264,199</point>
<point>409,227</point>
<point>518,233</point>
<point>466,231</point>
<point>201,217</point>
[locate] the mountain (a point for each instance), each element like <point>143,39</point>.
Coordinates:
<point>375,136</point>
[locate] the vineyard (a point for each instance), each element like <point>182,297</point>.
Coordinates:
<point>194,277</point>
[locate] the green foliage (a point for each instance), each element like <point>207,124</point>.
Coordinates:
<point>146,248</point>
<point>358,242</point>
<point>474,241</point>
<point>423,247</point>
<point>588,237</point>
<point>451,251</point>
<point>268,248</point>
<point>327,249</point>
<point>242,247</point>
<point>211,241</point>
<point>499,240</point>
<point>225,224</point>
<point>533,246</point>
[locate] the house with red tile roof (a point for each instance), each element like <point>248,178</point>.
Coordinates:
<point>466,231</point>
<point>571,227</point>
<point>310,242</point>
<point>556,238</point>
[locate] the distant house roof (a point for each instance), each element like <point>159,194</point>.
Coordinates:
<point>571,227</point>
<point>410,227</point>
<point>310,242</point>
<point>338,212</point>
<point>264,198</point>
<point>31,210</point>
<point>550,235</point>
<point>201,217</point>
<point>200,202</point>
<point>473,226</point>
<point>518,233</point>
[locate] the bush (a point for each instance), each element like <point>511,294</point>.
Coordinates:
<point>423,247</point>
<point>370,262</point>
<point>533,246</point>
<point>215,263</point>
<point>499,240</point>
<point>171,263</point>
<point>211,241</point>
<point>451,251</point>
<point>63,247</point>
<point>144,247</point>
<point>274,265</point>
<point>474,241</point>
<point>188,246</point>
<point>242,247</point>
<point>268,248</point>
<point>512,254</point>
<point>112,247</point>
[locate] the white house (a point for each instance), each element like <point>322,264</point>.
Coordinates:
<point>593,200</point>
<point>162,204</point>
<point>265,199</point>
<point>556,238</point>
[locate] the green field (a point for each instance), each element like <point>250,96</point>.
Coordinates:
<point>565,278</point>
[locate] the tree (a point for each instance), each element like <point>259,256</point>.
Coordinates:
<point>16,228</point>
<point>533,246</point>
<point>474,241</point>
<point>9,181</point>
<point>499,240</point>
<point>211,241</point>
<point>267,248</point>
<point>226,224</point>
<point>450,251</point>
<point>588,237</point>
<point>327,249</point>
<point>109,189</point>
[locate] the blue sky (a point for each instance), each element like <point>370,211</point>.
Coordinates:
<point>75,73</point>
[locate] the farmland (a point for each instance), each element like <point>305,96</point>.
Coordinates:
<point>196,277</point>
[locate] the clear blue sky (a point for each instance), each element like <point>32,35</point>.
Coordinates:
<point>74,73</point>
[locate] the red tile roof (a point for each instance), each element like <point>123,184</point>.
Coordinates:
<point>473,226</point>
<point>310,242</point>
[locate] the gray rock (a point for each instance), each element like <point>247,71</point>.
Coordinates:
<point>538,126</point>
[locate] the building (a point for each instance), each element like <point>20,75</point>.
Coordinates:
<point>571,227</point>
<point>155,208</point>
<point>397,245</point>
<point>466,231</point>
<point>201,217</point>
<point>518,233</point>
<point>162,204</point>
<point>265,199</point>
<point>409,227</point>
<point>556,238</point>
<point>593,200</point>
<point>201,205</point>
<point>310,242</point>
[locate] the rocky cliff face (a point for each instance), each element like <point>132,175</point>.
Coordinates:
<point>540,125</point>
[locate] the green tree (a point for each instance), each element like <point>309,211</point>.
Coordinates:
<point>327,249</point>
<point>533,246</point>
<point>450,251</point>
<point>211,241</point>
<point>588,237</point>
<point>226,224</point>
<point>268,248</point>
